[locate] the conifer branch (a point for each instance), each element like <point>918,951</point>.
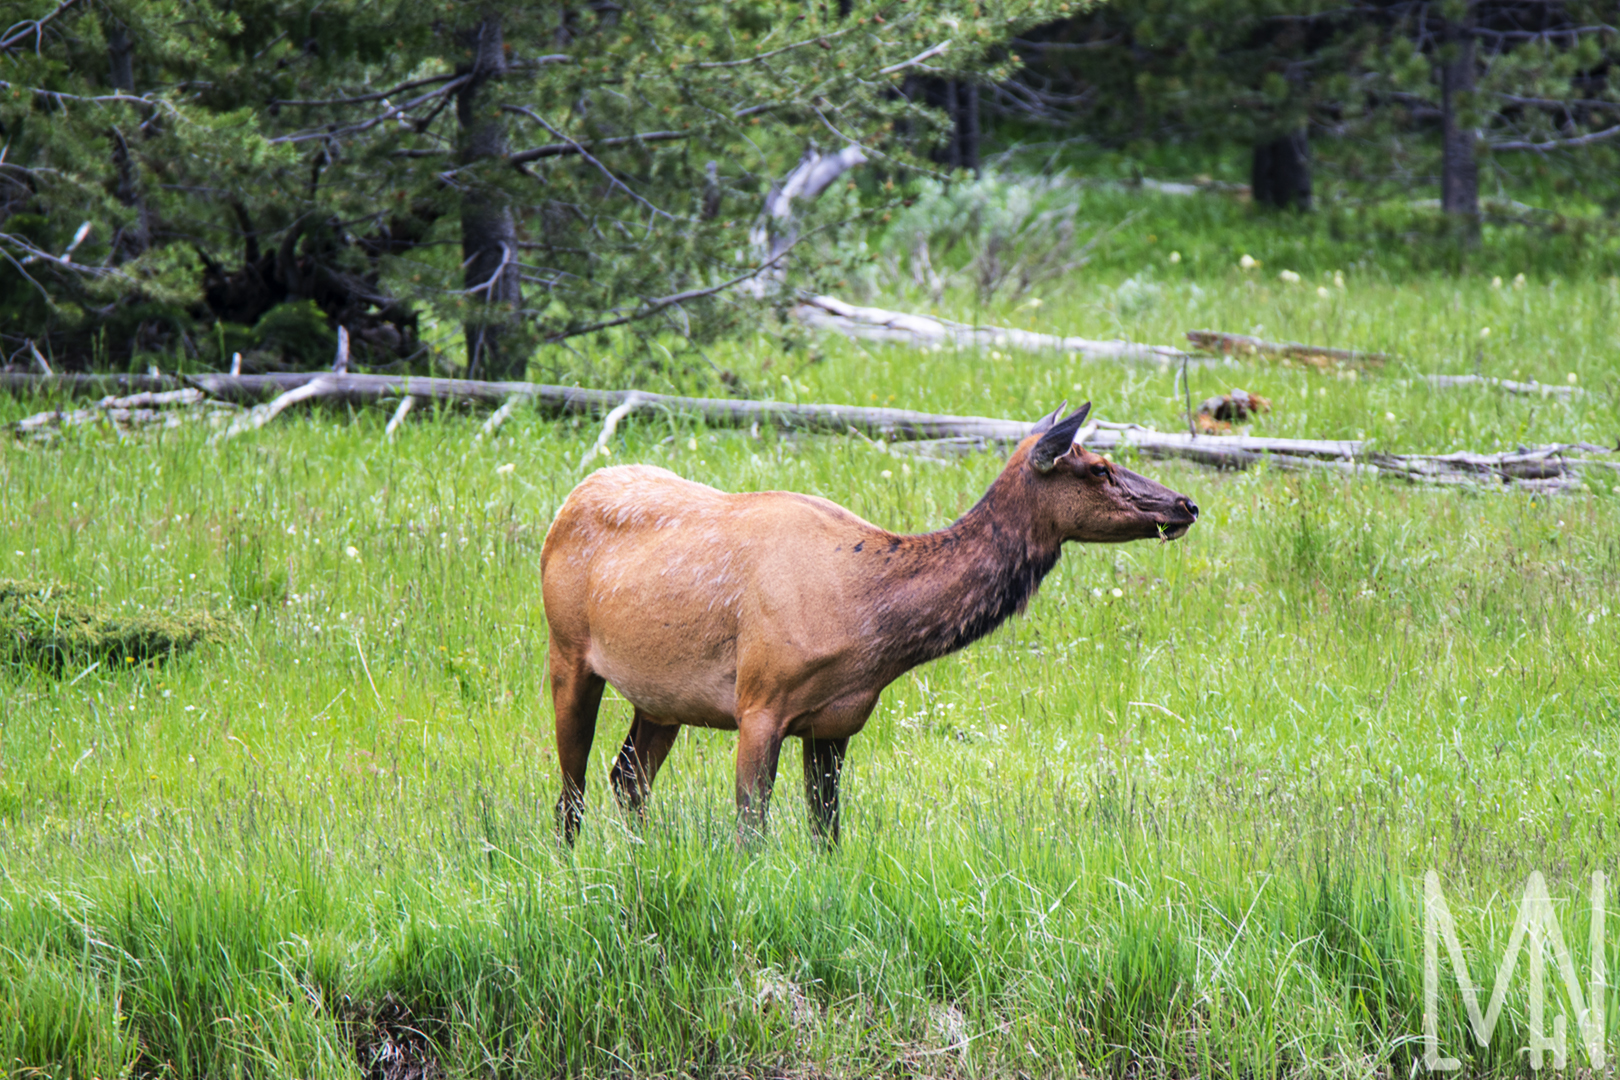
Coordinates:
<point>571,147</point>
<point>819,40</point>
<point>34,28</point>
<point>381,95</point>
<point>524,110</point>
<point>354,129</point>
<point>83,99</point>
<point>1559,144</point>
<point>653,307</point>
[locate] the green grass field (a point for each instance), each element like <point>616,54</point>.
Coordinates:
<point>1173,822</point>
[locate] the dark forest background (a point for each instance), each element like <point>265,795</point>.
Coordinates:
<point>186,182</point>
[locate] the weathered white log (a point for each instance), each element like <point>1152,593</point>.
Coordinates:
<point>1532,388</point>
<point>356,389</point>
<point>154,399</point>
<point>1551,468</point>
<point>879,324</point>
<point>1544,468</point>
<point>170,408</point>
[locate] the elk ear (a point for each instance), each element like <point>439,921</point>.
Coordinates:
<point>1044,424</point>
<point>1057,440</point>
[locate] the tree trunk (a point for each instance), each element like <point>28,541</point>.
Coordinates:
<point>131,240</point>
<point>1280,174</point>
<point>967,125</point>
<point>1459,170</point>
<point>948,99</point>
<point>488,234</point>
<point>960,102</point>
<point>121,58</point>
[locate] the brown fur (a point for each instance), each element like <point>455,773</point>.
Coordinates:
<point>777,614</point>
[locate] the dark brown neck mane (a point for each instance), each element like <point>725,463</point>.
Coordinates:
<point>942,590</point>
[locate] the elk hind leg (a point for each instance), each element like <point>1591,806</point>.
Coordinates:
<point>823,761</point>
<point>643,752</point>
<point>576,694</point>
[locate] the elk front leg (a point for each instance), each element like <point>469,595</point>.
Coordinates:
<point>759,745</point>
<point>823,761</point>
<point>639,759</point>
<point>576,694</point>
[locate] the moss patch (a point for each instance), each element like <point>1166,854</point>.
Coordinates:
<point>45,625</point>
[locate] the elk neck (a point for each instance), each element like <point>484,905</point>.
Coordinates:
<point>937,592</point>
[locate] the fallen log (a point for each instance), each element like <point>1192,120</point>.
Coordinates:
<point>1218,450</point>
<point>358,390</point>
<point>1550,468</point>
<point>1532,388</point>
<point>880,324</point>
<point>1315,355</point>
<point>168,408</point>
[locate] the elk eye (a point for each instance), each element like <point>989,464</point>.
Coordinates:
<point>1099,470</point>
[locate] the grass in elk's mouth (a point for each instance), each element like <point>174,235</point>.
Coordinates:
<point>1172,821</point>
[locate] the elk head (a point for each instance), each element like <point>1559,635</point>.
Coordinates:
<point>1086,497</point>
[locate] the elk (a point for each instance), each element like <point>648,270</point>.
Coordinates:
<point>774,614</point>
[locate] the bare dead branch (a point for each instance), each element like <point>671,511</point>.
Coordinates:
<point>497,418</point>
<point>381,95</point>
<point>653,307</point>
<point>1559,144</point>
<point>524,110</point>
<point>98,99</point>
<point>395,422</point>
<point>355,129</point>
<point>1570,104</point>
<point>878,324</point>
<point>64,262</point>
<point>34,28</point>
<point>610,423</point>
<point>262,414</point>
<point>926,54</point>
<point>563,149</point>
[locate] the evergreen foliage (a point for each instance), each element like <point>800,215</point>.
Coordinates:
<point>176,174</point>
<point>1366,80</point>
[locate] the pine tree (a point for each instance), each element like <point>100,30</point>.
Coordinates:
<point>256,174</point>
<point>1255,72</point>
<point>1501,78</point>
<point>1415,90</point>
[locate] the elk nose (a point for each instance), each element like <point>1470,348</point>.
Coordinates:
<point>1189,506</point>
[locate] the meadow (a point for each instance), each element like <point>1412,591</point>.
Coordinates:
<point>1174,821</point>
